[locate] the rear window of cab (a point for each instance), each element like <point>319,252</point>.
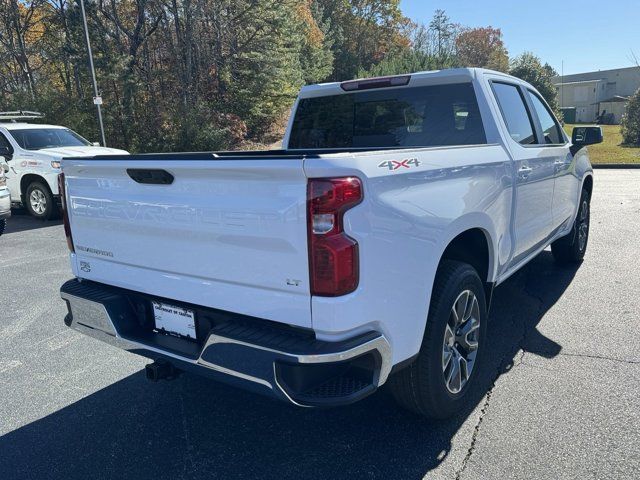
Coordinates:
<point>435,115</point>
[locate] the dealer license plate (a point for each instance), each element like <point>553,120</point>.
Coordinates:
<point>174,320</point>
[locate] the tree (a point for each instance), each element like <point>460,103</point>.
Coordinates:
<point>404,62</point>
<point>174,74</point>
<point>20,38</point>
<point>441,43</point>
<point>482,47</point>
<point>362,33</point>
<point>630,125</point>
<point>216,74</point>
<point>429,47</point>
<point>529,68</point>
<point>316,55</point>
<point>552,72</point>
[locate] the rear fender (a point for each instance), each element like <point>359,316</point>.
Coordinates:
<point>481,221</point>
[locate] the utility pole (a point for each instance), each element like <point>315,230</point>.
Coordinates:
<point>97,99</point>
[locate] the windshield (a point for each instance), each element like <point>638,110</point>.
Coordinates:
<point>38,138</point>
<point>399,117</point>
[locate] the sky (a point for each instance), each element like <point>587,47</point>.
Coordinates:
<point>585,35</point>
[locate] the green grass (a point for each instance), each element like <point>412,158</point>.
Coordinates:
<point>610,150</point>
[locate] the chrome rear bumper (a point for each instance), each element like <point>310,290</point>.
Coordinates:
<point>254,354</point>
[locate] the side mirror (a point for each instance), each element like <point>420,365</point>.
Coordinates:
<point>582,136</point>
<point>5,167</point>
<point>95,144</point>
<point>5,151</point>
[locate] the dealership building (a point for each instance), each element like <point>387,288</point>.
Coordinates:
<point>584,97</point>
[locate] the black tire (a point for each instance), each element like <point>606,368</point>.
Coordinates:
<point>3,225</point>
<point>572,247</point>
<point>46,208</point>
<point>421,387</point>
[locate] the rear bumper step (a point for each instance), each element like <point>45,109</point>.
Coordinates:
<point>267,357</point>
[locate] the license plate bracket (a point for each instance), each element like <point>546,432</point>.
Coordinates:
<point>174,320</point>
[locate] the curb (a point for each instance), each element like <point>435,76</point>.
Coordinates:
<point>611,166</point>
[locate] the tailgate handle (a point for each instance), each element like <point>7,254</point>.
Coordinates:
<point>150,176</point>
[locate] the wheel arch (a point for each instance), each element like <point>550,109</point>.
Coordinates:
<point>474,246</point>
<point>27,179</point>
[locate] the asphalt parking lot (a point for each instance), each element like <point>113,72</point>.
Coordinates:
<point>562,399</point>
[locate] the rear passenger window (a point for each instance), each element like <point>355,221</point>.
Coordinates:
<point>514,113</point>
<point>550,128</point>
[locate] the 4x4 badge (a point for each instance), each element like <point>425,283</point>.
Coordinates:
<point>396,164</point>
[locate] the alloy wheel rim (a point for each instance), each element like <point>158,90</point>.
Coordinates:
<point>38,201</point>
<point>460,343</point>
<point>583,225</point>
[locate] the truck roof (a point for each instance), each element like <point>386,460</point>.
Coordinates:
<point>22,125</point>
<point>416,79</point>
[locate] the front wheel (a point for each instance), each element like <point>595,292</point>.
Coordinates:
<point>39,201</point>
<point>572,247</point>
<point>444,377</point>
<point>3,225</point>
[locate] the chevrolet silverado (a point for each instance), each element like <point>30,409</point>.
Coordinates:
<point>364,252</point>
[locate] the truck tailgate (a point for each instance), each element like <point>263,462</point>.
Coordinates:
<point>227,234</point>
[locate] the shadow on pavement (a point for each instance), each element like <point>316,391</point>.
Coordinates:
<point>21,221</point>
<point>194,428</point>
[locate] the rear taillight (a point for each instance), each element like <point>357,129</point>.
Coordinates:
<point>62,190</point>
<point>333,255</point>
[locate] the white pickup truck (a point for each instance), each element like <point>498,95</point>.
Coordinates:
<point>33,152</point>
<point>364,252</point>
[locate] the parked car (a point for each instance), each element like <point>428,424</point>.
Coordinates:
<point>33,152</point>
<point>5,197</point>
<point>365,252</point>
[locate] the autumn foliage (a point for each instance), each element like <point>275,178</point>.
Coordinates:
<point>482,47</point>
<point>211,74</point>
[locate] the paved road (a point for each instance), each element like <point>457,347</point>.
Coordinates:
<point>563,399</point>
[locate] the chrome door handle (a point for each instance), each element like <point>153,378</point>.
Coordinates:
<point>559,166</point>
<point>524,171</point>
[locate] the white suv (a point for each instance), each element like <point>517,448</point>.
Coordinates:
<point>33,153</point>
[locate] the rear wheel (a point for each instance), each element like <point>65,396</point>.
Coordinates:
<point>572,247</point>
<point>3,225</point>
<point>444,377</point>
<point>39,201</point>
